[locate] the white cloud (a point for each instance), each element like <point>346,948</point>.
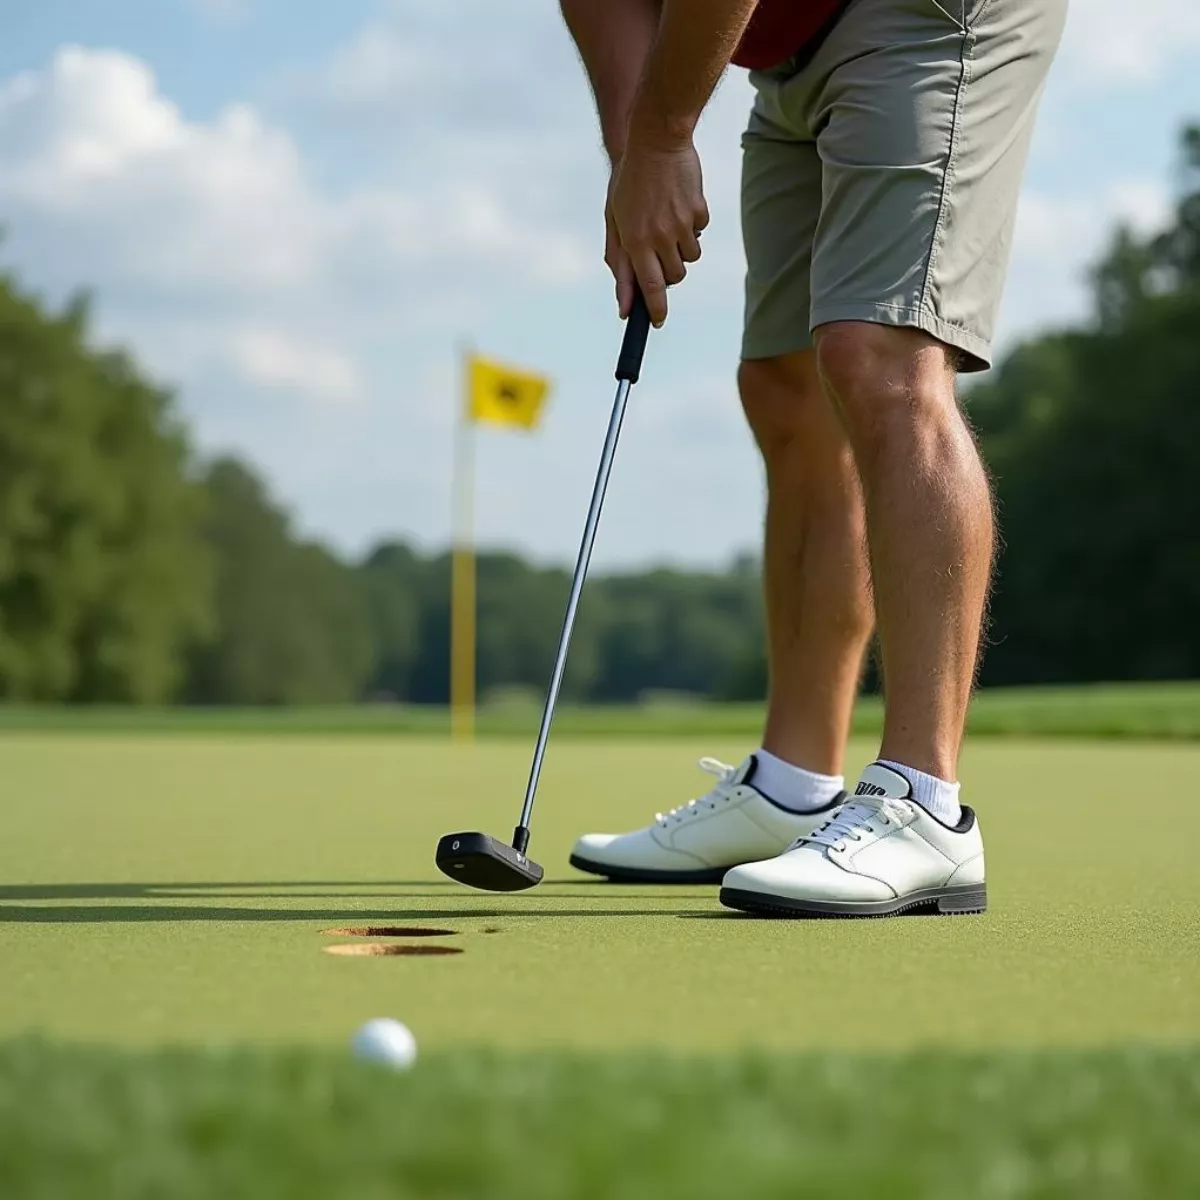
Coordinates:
<point>305,275</point>
<point>377,68</point>
<point>93,144</point>
<point>104,180</point>
<point>1059,236</point>
<point>1112,42</point>
<point>474,65</point>
<point>1144,204</point>
<point>276,360</point>
<point>239,272</point>
<point>90,152</point>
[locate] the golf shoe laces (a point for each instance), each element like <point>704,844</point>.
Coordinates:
<point>709,801</point>
<point>848,822</point>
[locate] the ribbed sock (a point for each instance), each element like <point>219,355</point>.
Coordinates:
<point>793,787</point>
<point>934,795</point>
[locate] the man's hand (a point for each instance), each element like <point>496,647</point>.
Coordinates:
<point>654,216</point>
<point>653,66</point>
<point>614,253</point>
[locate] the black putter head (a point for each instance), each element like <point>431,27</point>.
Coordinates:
<point>483,862</point>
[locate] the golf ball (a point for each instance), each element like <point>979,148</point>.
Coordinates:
<point>386,1041</point>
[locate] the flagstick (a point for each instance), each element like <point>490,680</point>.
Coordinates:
<point>462,581</point>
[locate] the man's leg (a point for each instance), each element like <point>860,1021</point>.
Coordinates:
<point>929,521</point>
<point>902,841</point>
<point>818,620</point>
<point>816,586</point>
<point>922,116</point>
<point>815,576</point>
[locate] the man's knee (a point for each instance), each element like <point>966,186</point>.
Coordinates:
<point>882,379</point>
<point>779,396</point>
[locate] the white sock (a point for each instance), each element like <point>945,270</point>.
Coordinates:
<point>934,795</point>
<point>793,787</point>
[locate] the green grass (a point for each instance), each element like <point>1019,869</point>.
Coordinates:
<point>1158,710</point>
<point>298,1125</point>
<point>160,889</point>
<point>177,888</point>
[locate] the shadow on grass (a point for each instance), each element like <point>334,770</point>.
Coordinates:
<point>181,890</point>
<point>308,890</point>
<point>105,914</point>
<point>16,909</point>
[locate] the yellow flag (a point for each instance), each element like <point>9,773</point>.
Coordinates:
<point>500,395</point>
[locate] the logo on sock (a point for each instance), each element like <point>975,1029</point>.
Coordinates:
<point>870,789</point>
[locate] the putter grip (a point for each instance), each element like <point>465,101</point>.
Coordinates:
<point>637,329</point>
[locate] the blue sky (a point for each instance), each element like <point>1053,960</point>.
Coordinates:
<point>295,212</point>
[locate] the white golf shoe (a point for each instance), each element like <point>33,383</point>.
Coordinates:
<point>877,854</point>
<point>699,841</point>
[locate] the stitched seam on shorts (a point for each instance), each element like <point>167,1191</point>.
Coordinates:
<point>860,310</point>
<point>973,25</point>
<point>965,22</point>
<point>961,22</point>
<point>911,309</point>
<point>964,78</point>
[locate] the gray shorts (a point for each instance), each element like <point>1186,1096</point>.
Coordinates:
<point>880,179</point>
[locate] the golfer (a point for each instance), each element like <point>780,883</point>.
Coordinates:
<point>880,173</point>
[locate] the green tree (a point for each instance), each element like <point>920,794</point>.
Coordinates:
<point>393,580</point>
<point>1092,436</point>
<point>677,631</point>
<point>1177,249</point>
<point>103,576</point>
<point>292,621</point>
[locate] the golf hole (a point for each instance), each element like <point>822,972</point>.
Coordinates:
<point>492,929</point>
<point>387,950</point>
<point>377,931</point>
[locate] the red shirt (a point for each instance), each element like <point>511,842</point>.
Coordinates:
<point>780,28</point>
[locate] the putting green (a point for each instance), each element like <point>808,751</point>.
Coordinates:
<point>177,889</point>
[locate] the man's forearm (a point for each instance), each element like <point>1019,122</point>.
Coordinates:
<point>696,39</point>
<point>614,38</point>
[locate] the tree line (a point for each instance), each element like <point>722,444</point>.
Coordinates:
<point>1093,437</point>
<point>133,572</point>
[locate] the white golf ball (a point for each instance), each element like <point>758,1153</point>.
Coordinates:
<point>386,1041</point>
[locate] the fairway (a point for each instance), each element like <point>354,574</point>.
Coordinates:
<point>158,889</point>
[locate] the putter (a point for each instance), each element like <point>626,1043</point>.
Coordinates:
<point>478,859</point>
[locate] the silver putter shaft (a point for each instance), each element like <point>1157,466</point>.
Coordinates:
<point>629,366</point>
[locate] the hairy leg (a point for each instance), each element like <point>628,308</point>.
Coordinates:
<point>816,580</point>
<point>930,528</point>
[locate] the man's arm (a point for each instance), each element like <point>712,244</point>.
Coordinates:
<point>614,38</point>
<point>696,39</point>
<point>653,65</point>
<point>657,204</point>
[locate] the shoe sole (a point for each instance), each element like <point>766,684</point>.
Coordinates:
<point>948,901</point>
<point>645,875</point>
